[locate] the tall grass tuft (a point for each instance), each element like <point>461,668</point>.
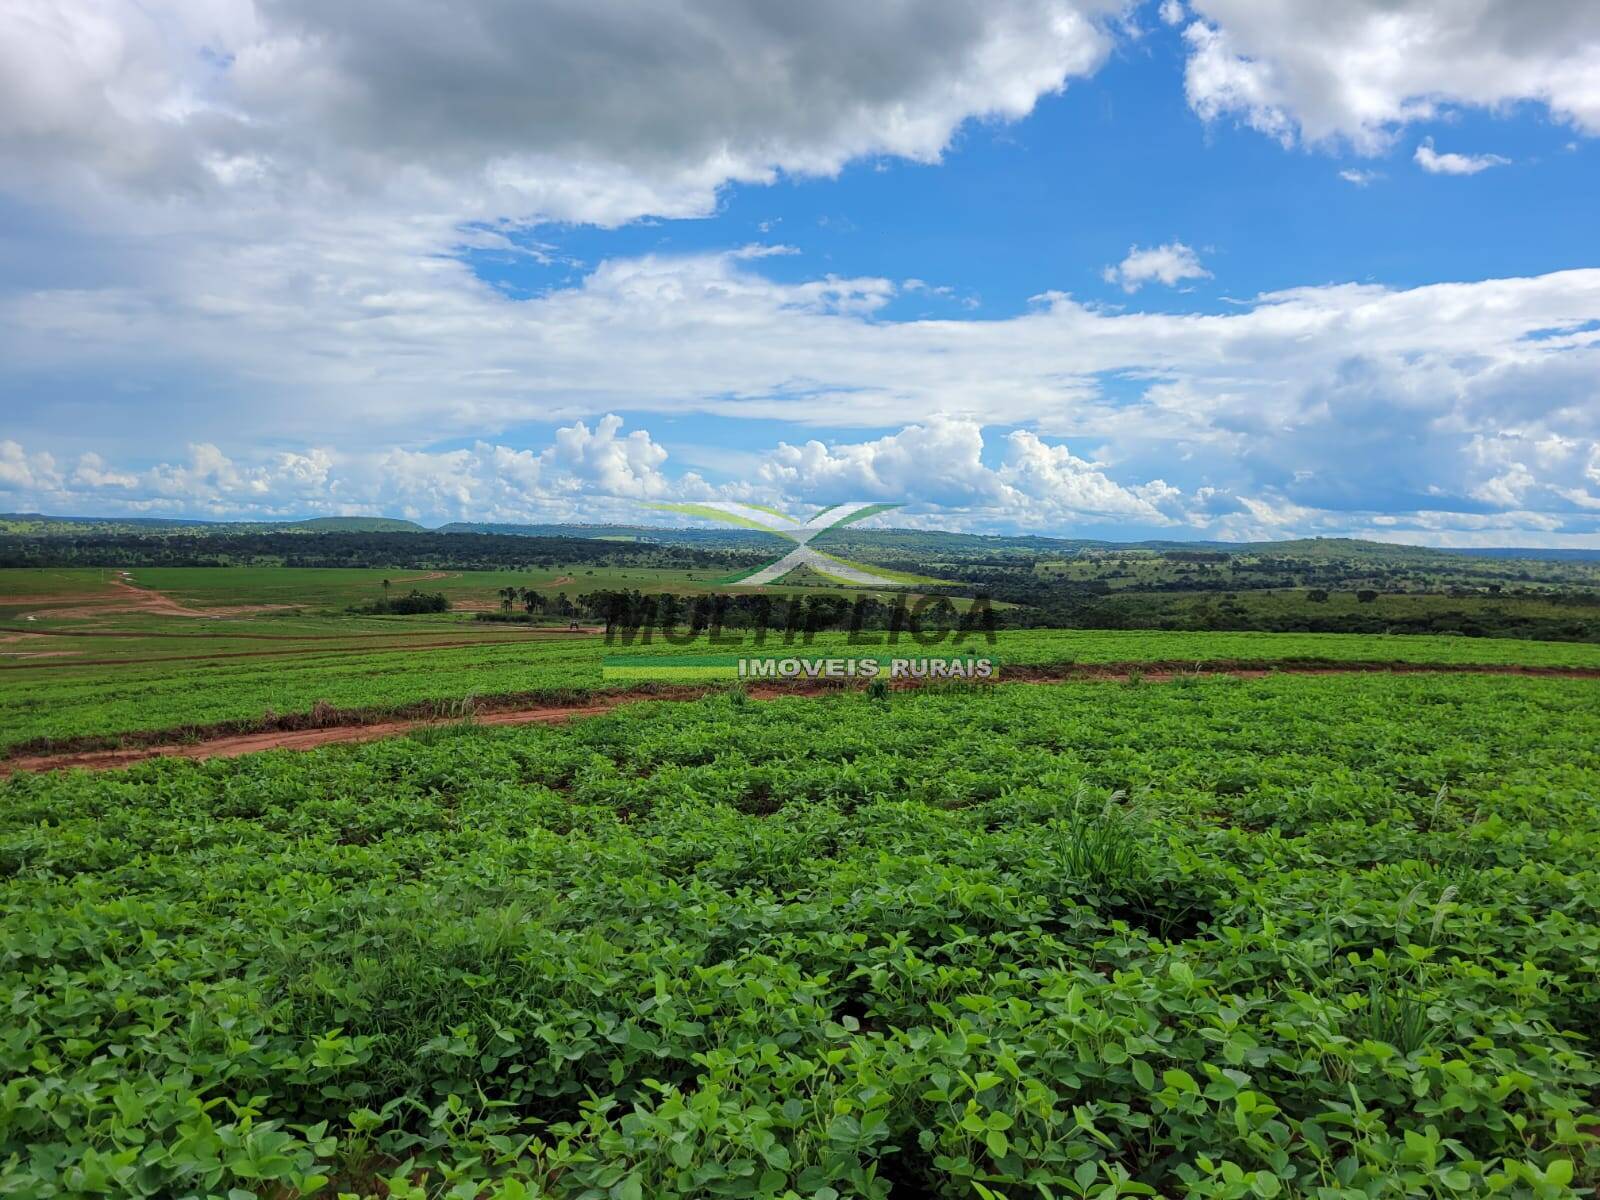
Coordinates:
<point>1395,1014</point>
<point>1100,847</point>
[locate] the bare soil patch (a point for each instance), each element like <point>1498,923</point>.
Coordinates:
<point>303,739</point>
<point>129,598</point>
<point>54,598</point>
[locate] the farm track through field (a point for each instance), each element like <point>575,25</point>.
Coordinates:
<point>131,598</point>
<point>211,634</point>
<point>317,655</point>
<point>357,726</point>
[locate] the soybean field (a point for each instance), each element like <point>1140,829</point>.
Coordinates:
<point>1303,936</point>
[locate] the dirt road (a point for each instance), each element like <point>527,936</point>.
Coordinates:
<point>350,728</point>
<point>300,739</point>
<point>130,598</point>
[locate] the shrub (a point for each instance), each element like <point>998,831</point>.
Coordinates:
<point>412,603</point>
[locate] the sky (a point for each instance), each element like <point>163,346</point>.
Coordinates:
<point>1209,270</point>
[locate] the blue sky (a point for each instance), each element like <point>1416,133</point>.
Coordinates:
<point>1054,266</point>
<point>1015,209</point>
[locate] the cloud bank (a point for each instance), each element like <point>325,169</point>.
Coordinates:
<point>1342,398</point>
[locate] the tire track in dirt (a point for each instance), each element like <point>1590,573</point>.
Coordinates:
<point>312,654</point>
<point>300,739</point>
<point>22,601</point>
<point>235,636</point>
<point>135,599</point>
<point>352,729</point>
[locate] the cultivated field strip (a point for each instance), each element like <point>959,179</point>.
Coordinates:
<point>294,732</point>
<point>99,707</point>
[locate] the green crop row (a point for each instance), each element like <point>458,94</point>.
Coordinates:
<point>55,703</point>
<point>1313,936</point>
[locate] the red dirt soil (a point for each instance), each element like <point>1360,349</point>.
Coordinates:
<point>320,652</point>
<point>129,598</point>
<point>231,746</point>
<point>23,601</point>
<point>299,739</point>
<point>235,636</point>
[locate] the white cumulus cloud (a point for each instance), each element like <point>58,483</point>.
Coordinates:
<point>1359,70</point>
<point>1170,264</point>
<point>1436,163</point>
<point>24,472</point>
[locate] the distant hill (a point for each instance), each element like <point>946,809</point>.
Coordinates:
<point>1532,552</point>
<point>355,525</point>
<point>41,525</point>
<point>1323,549</point>
<point>884,545</point>
<point>659,535</point>
<point>936,542</point>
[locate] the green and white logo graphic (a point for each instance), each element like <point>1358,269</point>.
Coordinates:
<point>800,531</point>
